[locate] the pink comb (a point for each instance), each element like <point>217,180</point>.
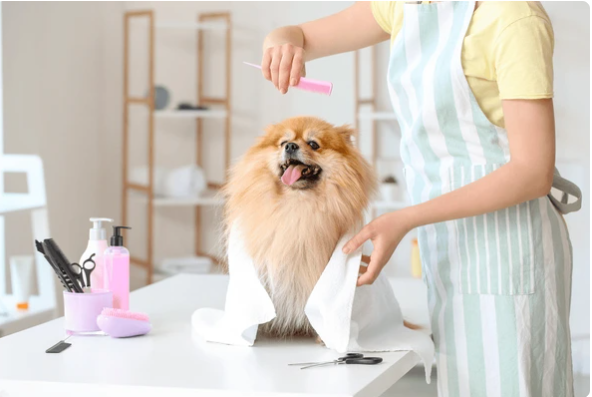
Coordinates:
<point>318,86</point>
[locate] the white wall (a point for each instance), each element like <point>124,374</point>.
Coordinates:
<point>55,91</point>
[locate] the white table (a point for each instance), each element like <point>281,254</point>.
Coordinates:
<point>171,361</point>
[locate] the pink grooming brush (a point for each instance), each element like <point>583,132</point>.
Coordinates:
<point>119,323</point>
<point>321,87</point>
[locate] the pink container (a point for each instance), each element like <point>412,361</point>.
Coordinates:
<point>82,309</point>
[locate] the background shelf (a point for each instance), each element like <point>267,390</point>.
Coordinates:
<point>191,25</point>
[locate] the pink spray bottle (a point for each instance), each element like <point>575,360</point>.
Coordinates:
<point>117,266</point>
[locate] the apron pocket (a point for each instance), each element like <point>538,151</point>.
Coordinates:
<point>496,251</point>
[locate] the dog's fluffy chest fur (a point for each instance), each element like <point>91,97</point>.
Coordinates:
<point>291,258</point>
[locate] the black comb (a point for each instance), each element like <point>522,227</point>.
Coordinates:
<point>57,271</point>
<point>52,250</point>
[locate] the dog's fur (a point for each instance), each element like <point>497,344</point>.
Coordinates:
<point>291,231</point>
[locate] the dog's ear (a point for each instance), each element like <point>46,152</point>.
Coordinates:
<point>347,132</point>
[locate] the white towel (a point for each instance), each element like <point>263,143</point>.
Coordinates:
<point>348,319</point>
<point>182,182</point>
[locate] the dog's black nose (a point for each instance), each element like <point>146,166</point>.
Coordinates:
<point>291,147</point>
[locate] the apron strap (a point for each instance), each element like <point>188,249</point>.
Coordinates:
<point>567,188</point>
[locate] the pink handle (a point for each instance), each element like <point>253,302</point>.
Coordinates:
<point>321,87</point>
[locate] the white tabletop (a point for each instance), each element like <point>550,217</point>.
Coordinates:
<point>171,359</point>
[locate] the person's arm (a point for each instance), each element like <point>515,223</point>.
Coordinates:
<point>528,175</point>
<point>285,50</point>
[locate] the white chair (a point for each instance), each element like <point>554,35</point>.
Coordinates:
<point>42,307</point>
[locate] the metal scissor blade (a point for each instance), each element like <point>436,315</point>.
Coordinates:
<point>316,362</point>
<point>320,364</point>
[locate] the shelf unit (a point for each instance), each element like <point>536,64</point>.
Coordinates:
<point>220,108</point>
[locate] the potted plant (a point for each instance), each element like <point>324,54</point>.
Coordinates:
<point>389,188</point>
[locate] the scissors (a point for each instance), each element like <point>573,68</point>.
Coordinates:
<point>349,358</point>
<point>83,272</point>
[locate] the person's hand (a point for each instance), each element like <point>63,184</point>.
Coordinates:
<point>283,65</point>
<point>386,232</point>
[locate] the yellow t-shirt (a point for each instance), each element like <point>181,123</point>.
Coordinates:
<point>507,52</point>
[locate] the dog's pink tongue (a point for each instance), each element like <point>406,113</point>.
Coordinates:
<point>292,174</point>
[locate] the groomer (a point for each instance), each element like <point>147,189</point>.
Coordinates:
<point>471,85</point>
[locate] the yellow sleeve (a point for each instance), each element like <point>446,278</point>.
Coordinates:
<point>523,55</point>
<point>383,12</point>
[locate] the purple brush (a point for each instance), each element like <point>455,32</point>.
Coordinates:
<point>119,323</point>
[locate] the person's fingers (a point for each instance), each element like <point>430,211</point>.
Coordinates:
<point>362,269</point>
<point>357,240</point>
<point>266,63</point>
<point>275,65</point>
<point>297,65</point>
<point>366,259</point>
<point>285,67</point>
<point>374,268</point>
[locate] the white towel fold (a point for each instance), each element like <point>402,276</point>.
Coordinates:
<point>348,319</point>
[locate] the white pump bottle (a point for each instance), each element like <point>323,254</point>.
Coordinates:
<point>97,244</point>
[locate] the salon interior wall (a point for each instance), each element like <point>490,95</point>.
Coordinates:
<point>67,108</point>
<point>58,79</point>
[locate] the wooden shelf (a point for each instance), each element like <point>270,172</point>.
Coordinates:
<point>192,114</point>
<point>219,108</point>
<point>208,199</point>
<point>191,25</point>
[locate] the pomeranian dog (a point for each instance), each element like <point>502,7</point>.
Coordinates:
<point>295,193</point>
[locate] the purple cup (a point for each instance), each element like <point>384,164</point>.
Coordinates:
<point>82,309</point>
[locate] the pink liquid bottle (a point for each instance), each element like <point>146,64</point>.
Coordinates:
<point>117,266</point>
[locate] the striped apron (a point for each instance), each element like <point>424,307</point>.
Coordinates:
<point>499,284</point>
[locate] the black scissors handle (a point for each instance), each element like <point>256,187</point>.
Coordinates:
<point>363,360</point>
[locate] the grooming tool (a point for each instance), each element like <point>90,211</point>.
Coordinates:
<point>58,273</point>
<point>349,358</point>
<point>119,323</point>
<point>82,273</point>
<point>77,270</point>
<point>61,262</point>
<point>306,84</point>
<point>60,346</point>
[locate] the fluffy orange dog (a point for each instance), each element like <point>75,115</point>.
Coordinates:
<point>295,193</point>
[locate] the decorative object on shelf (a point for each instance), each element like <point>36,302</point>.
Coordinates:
<point>161,97</point>
<point>389,189</point>
<point>188,106</point>
<point>415,259</point>
<point>187,181</point>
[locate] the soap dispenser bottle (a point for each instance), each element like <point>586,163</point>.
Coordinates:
<point>117,265</point>
<point>97,244</point>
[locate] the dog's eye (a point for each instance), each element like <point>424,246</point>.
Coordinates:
<point>313,145</point>
<point>283,143</point>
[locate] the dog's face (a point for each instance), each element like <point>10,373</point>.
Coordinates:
<point>303,151</point>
